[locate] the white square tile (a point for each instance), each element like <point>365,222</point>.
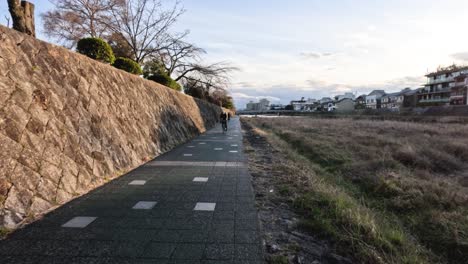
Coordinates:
<point>218,149</point>
<point>144,205</point>
<point>137,182</point>
<point>79,222</point>
<point>234,145</point>
<point>205,207</point>
<point>233,151</point>
<point>200,179</point>
<point>188,155</point>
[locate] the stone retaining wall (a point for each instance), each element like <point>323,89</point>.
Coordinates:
<point>69,124</point>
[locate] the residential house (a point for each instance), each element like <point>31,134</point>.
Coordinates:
<point>438,89</point>
<point>344,105</point>
<point>394,101</point>
<point>360,102</point>
<point>459,91</point>
<point>373,99</point>
<point>325,104</point>
<point>298,105</point>
<point>411,98</point>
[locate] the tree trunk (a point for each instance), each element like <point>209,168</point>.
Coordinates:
<point>23,16</point>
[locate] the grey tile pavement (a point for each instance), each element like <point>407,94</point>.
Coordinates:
<point>168,229</point>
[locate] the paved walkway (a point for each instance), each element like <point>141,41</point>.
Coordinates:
<point>193,205</point>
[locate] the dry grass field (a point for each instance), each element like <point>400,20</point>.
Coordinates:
<point>382,191</point>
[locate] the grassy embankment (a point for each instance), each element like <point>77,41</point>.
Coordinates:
<point>382,191</point>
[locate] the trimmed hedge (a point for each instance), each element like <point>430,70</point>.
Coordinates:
<point>97,49</point>
<point>128,65</point>
<point>165,79</point>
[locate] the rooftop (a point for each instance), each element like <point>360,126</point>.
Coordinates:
<point>376,92</point>
<point>449,69</point>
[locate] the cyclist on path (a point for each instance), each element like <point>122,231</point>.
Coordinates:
<point>223,117</point>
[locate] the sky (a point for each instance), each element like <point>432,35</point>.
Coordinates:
<point>313,48</point>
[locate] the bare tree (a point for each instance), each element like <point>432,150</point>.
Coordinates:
<point>22,14</point>
<point>183,61</point>
<point>72,20</point>
<point>179,56</point>
<point>145,25</point>
<point>208,92</point>
<point>140,30</point>
<point>120,46</point>
<point>213,76</point>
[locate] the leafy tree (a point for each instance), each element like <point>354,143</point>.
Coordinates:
<point>228,103</point>
<point>128,65</point>
<point>154,71</point>
<point>153,67</point>
<point>165,80</point>
<point>96,48</point>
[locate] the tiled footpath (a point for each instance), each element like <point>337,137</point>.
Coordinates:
<point>193,205</point>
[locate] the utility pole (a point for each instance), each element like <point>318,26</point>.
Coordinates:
<point>22,14</point>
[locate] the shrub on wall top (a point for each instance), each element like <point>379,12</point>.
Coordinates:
<point>96,48</point>
<point>165,79</point>
<point>128,65</point>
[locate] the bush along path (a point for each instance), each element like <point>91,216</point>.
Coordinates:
<point>194,204</point>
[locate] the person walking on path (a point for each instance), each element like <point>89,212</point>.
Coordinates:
<point>223,117</point>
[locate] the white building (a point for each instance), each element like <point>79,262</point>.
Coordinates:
<point>262,105</point>
<point>303,105</point>
<point>442,86</point>
<point>250,106</point>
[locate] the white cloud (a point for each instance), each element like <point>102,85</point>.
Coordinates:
<point>310,55</point>
<point>462,56</point>
<point>255,98</point>
<point>315,55</point>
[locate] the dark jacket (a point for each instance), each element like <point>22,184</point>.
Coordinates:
<point>223,117</point>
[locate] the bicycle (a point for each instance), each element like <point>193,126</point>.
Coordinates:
<point>224,125</point>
